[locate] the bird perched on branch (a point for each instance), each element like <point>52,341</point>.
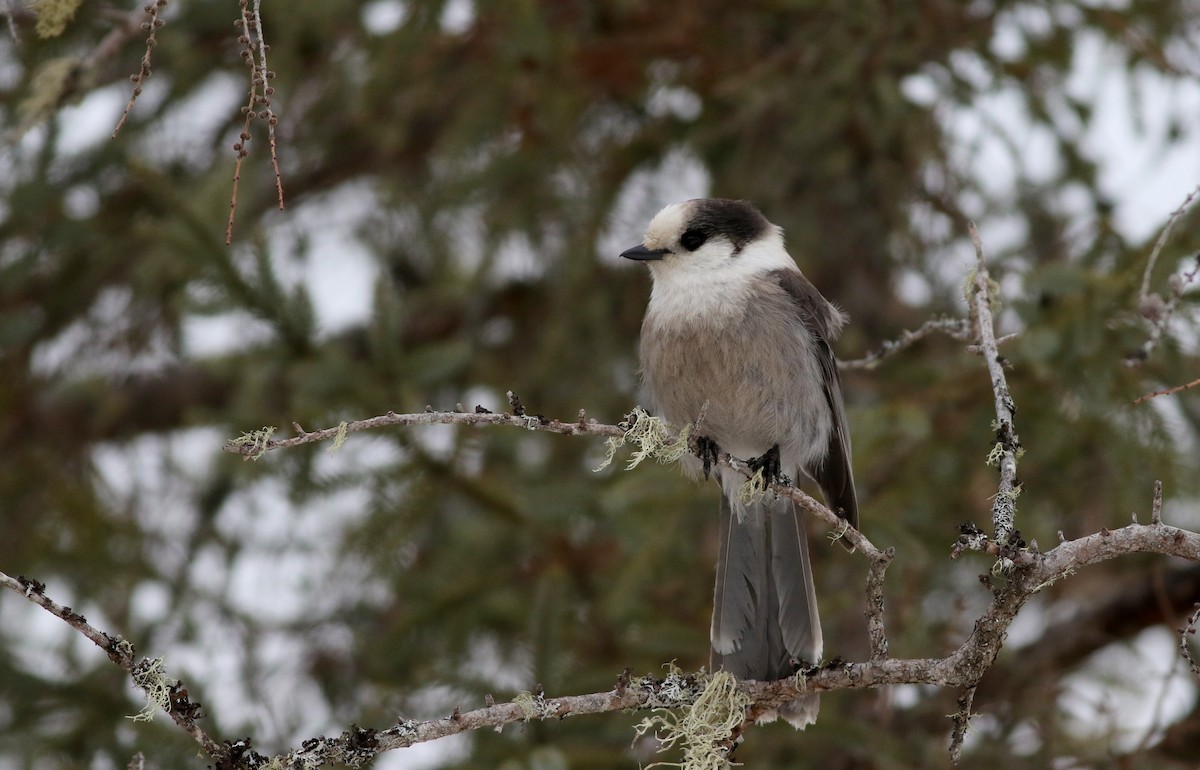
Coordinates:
<point>736,334</point>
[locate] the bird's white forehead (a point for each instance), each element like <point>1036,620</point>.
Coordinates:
<point>667,225</point>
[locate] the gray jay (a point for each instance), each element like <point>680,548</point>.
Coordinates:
<point>734,328</point>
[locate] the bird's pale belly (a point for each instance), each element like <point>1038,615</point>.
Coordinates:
<point>752,397</point>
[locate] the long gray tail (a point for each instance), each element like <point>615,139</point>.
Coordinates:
<point>765,607</point>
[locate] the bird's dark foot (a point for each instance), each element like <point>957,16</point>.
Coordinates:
<point>707,450</point>
<point>770,465</point>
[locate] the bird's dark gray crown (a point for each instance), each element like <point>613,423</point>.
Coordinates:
<point>738,221</point>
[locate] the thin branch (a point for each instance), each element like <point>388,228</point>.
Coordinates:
<point>841,528</point>
<point>978,350</point>
<point>956,328</point>
<point>265,76</point>
<point>1152,307</point>
<point>1008,445</point>
<point>143,672</point>
<point>151,25</point>
<point>1167,392</point>
<point>1159,312</point>
<point>254,53</point>
<point>1176,215</point>
<point>255,444</point>
<point>1189,630</point>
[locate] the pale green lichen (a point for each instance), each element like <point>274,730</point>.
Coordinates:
<point>754,488</point>
<point>254,444</point>
<point>527,703</point>
<point>996,455</point>
<point>969,288</point>
<point>533,706</point>
<point>654,438</point>
<point>149,676</point>
<point>1068,572</point>
<point>838,534</point>
<point>339,438</point>
<point>704,729</point>
<point>53,16</point>
<point>48,87</point>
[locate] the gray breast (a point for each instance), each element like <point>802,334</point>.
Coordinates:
<point>757,371</point>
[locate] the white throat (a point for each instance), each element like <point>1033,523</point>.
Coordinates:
<point>710,286</point>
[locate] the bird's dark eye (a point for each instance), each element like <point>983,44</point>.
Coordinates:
<point>692,239</point>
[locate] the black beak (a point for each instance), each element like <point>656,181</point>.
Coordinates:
<point>642,254</point>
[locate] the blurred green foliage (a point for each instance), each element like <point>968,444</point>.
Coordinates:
<point>477,157</point>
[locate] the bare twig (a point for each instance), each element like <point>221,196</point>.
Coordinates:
<point>1008,445</point>
<point>1176,215</point>
<point>254,53</point>
<point>1159,312</point>
<point>1167,392</point>
<point>957,328</point>
<point>151,25</point>
<point>1152,307</point>
<point>978,350</point>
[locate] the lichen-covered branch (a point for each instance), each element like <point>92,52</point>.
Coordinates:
<point>962,722</point>
<point>1008,445</point>
<point>146,673</point>
<point>964,667</point>
<point>876,630</point>
<point>254,444</point>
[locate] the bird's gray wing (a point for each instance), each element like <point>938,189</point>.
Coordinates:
<point>833,474</point>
